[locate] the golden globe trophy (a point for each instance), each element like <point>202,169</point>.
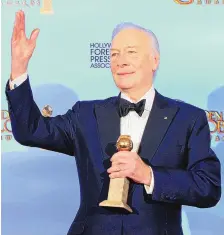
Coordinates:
<point>118,188</point>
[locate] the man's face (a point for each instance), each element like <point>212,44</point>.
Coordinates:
<point>133,60</point>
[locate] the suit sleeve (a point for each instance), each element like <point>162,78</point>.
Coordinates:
<point>31,129</point>
<point>199,184</point>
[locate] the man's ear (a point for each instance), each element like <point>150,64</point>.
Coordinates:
<point>156,61</point>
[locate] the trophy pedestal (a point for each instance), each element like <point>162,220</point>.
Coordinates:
<point>118,194</point>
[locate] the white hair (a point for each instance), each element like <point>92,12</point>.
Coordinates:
<point>126,25</point>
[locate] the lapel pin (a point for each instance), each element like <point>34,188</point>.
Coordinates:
<point>165,117</point>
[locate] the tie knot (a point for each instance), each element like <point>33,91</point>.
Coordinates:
<point>125,106</point>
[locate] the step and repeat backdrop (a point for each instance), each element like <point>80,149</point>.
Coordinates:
<point>40,189</point>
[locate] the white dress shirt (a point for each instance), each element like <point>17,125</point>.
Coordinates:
<point>132,124</point>
<point>17,81</point>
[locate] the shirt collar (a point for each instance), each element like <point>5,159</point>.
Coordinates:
<point>149,96</point>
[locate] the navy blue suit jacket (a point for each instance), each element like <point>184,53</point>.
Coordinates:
<point>175,143</point>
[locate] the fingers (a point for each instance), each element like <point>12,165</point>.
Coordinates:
<point>22,15</point>
<point>117,168</point>
<point>34,35</point>
<point>19,29</point>
<point>120,160</point>
<point>120,174</point>
<point>121,157</point>
<point>19,21</point>
<point>19,26</point>
<point>15,28</point>
<point>22,24</point>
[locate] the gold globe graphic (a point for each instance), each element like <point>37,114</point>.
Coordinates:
<point>47,111</point>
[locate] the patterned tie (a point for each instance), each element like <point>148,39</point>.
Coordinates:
<point>125,106</point>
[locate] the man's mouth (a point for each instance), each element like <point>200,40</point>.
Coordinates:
<point>125,73</point>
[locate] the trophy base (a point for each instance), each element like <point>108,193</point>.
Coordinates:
<point>44,11</point>
<point>108,203</point>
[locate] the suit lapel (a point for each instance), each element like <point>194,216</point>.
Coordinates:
<point>157,125</point>
<point>108,122</point>
<point>159,120</point>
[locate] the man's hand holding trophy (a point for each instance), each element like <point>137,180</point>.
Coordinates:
<point>125,164</point>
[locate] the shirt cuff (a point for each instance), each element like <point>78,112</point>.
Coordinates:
<point>149,189</point>
<point>17,81</point>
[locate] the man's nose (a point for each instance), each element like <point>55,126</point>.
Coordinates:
<point>122,61</point>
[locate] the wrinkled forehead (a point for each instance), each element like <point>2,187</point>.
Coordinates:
<point>131,37</point>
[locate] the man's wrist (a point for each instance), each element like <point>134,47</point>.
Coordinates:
<point>15,75</point>
<point>18,70</point>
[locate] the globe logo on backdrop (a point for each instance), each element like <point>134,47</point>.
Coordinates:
<point>47,111</point>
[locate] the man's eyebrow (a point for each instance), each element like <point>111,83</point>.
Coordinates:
<point>127,47</point>
<point>114,49</point>
<point>131,47</point>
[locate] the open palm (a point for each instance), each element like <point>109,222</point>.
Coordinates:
<point>22,47</point>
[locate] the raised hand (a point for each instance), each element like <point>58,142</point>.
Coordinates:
<point>21,47</point>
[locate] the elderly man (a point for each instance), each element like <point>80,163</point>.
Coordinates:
<point>171,163</point>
